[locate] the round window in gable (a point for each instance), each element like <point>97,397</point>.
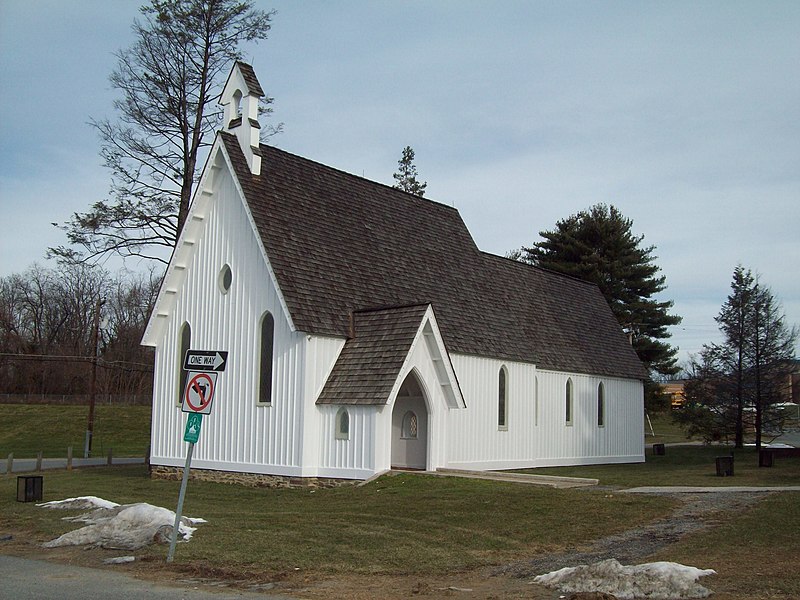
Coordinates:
<point>225,279</point>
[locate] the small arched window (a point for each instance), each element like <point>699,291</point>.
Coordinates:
<point>236,109</point>
<point>184,347</point>
<point>601,405</point>
<point>342,424</point>
<point>502,399</point>
<point>568,403</point>
<point>265,366</point>
<point>409,429</point>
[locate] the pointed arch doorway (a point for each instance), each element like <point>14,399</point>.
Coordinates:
<point>410,426</point>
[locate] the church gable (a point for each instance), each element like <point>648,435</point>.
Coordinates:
<point>381,340</point>
<point>218,235</point>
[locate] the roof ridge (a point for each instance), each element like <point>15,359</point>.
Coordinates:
<point>389,307</point>
<point>538,268</point>
<point>360,178</point>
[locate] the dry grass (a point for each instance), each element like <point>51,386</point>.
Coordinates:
<point>30,428</point>
<point>397,525</point>
<point>755,554</point>
<point>688,465</point>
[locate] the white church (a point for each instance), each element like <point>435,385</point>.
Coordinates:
<point>366,331</point>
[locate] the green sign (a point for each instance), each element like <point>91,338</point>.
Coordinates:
<point>193,424</point>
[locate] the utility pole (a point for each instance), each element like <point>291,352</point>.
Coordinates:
<point>87,444</point>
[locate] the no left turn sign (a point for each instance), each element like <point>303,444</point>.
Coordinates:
<point>199,392</point>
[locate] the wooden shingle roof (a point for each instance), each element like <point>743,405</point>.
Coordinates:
<point>249,76</point>
<point>371,360</point>
<point>339,243</point>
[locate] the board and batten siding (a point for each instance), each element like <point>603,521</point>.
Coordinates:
<point>369,447</point>
<point>325,455</point>
<point>536,434</point>
<point>239,434</point>
<point>354,457</point>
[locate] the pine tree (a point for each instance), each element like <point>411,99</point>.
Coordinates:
<point>771,352</point>
<point>406,176</point>
<point>734,322</point>
<point>747,370</point>
<point>599,246</point>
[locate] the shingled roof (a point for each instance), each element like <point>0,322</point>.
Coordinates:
<point>249,76</point>
<point>371,359</point>
<point>339,243</point>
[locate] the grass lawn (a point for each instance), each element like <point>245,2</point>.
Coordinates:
<point>411,524</point>
<point>399,524</point>
<point>665,429</point>
<point>687,465</point>
<point>755,555</point>
<point>29,428</point>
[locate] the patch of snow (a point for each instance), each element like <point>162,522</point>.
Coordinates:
<point>119,560</point>
<point>655,581</point>
<point>123,527</point>
<point>771,445</point>
<point>79,503</point>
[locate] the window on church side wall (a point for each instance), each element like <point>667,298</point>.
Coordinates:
<point>568,408</point>
<point>342,424</point>
<point>225,279</point>
<point>502,400</point>
<point>266,356</point>
<point>185,346</point>
<point>408,430</point>
<point>601,405</point>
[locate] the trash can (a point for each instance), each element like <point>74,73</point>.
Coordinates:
<point>29,488</point>
<point>725,466</point>
<point>659,450</point>
<point>765,458</point>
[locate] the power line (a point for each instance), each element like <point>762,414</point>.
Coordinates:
<point>106,364</point>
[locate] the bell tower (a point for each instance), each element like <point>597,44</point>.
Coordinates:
<point>240,98</point>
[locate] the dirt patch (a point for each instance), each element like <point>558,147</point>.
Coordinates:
<point>695,512</point>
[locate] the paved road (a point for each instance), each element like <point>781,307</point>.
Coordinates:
<point>25,465</point>
<point>25,579</point>
<point>790,437</point>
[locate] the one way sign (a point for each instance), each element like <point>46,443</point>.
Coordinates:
<point>205,360</point>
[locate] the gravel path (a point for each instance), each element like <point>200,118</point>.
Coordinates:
<point>697,511</point>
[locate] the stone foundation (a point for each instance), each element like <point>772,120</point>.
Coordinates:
<point>256,480</point>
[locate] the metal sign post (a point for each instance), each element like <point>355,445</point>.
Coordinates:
<point>191,435</point>
<point>181,496</point>
<point>201,382</point>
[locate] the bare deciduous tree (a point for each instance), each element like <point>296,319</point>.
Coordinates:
<point>170,80</point>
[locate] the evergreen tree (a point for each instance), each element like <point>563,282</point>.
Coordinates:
<point>599,246</point>
<point>746,371</point>
<point>170,80</point>
<point>734,323</point>
<point>406,176</point>
<point>771,354</point>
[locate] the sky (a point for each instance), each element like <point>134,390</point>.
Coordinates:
<point>684,115</point>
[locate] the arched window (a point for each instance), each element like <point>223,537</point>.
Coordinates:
<point>601,405</point>
<point>342,424</point>
<point>502,399</point>
<point>236,109</point>
<point>185,346</point>
<point>409,427</point>
<point>568,403</point>
<point>265,367</point>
